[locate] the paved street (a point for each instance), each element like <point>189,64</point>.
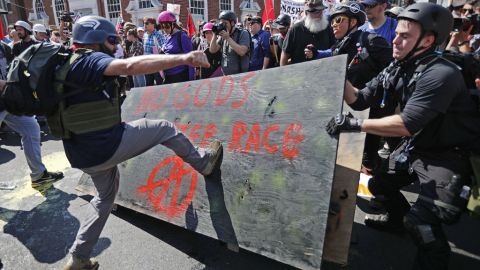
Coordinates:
<point>37,231</point>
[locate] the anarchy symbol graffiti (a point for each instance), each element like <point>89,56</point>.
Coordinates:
<point>157,190</point>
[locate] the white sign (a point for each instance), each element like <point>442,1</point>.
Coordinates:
<point>293,8</point>
<point>175,9</point>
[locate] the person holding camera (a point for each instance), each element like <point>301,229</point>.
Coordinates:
<point>440,125</point>
<point>214,59</point>
<point>261,45</point>
<point>233,43</point>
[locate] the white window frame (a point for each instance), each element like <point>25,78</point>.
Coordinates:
<point>140,1</point>
<point>199,17</point>
<point>220,5</point>
<point>108,13</point>
<point>58,13</point>
<point>37,11</point>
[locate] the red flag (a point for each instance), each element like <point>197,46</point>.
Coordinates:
<point>1,29</point>
<point>190,25</point>
<point>268,11</point>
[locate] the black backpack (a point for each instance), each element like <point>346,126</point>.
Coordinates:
<point>30,81</point>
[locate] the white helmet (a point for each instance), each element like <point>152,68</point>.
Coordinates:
<point>24,24</point>
<point>39,28</point>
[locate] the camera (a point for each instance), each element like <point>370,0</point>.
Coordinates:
<point>67,16</point>
<point>461,24</point>
<point>218,27</point>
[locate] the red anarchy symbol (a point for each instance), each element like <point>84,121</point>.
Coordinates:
<point>177,173</point>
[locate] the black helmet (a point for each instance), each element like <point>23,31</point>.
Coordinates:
<point>350,9</point>
<point>283,20</point>
<point>92,30</point>
<point>228,15</point>
<point>432,17</point>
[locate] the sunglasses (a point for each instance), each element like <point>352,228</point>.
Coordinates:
<point>316,11</point>
<point>338,20</point>
<point>467,10</point>
<point>164,26</point>
<point>113,40</point>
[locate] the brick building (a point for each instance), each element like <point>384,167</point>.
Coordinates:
<point>47,12</point>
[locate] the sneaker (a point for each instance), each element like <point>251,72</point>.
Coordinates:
<point>216,150</point>
<point>382,222</point>
<point>81,264</point>
<point>47,179</point>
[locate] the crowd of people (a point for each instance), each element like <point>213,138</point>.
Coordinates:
<point>393,68</point>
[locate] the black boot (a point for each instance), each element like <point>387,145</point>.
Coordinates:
<point>383,222</point>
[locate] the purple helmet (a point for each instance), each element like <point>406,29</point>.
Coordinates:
<point>166,16</point>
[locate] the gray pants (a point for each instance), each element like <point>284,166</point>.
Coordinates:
<point>29,129</point>
<point>138,137</point>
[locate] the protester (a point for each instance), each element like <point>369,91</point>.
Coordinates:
<point>56,38</point>
<point>24,30</point>
<point>393,12</point>
<point>234,44</point>
<point>214,59</point>
<point>136,49</point>
<point>13,37</point>
<point>140,34</point>
<point>153,41</point>
<point>40,33</point>
<point>377,21</point>
<point>105,144</point>
<point>433,104</point>
<point>312,31</point>
<point>282,24</point>
<point>29,130</point>
<point>197,39</point>
<point>177,42</point>
<point>260,58</point>
<point>368,53</point>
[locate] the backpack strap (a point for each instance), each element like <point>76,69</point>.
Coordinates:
<point>421,68</point>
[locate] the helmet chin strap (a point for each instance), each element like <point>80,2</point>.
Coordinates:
<point>415,49</point>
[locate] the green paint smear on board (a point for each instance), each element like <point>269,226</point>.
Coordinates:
<point>278,181</point>
<point>226,119</point>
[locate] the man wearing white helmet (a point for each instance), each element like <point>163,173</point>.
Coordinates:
<point>39,32</point>
<point>24,30</point>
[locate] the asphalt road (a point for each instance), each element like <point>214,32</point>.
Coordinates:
<point>37,230</point>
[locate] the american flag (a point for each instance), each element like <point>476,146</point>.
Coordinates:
<point>119,23</point>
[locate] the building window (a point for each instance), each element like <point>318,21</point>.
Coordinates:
<point>114,10</point>
<point>197,9</point>
<point>39,9</point>
<point>59,8</point>
<point>144,4</point>
<point>226,5</point>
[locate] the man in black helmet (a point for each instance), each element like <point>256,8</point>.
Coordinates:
<point>234,44</point>
<point>440,124</point>
<point>95,138</point>
<point>282,24</point>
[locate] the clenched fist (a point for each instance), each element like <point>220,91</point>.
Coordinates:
<point>197,59</point>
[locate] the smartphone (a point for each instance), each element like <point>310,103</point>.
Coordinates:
<point>457,24</point>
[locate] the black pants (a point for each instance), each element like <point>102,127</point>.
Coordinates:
<point>179,77</point>
<point>436,173</point>
<point>153,79</point>
<point>371,159</point>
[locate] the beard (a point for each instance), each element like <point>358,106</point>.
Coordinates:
<point>315,25</point>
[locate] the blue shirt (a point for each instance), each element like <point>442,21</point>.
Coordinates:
<point>172,46</point>
<point>93,148</point>
<point>261,49</point>
<point>149,42</point>
<point>387,30</point>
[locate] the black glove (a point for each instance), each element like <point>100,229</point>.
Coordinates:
<point>314,51</point>
<point>343,122</point>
